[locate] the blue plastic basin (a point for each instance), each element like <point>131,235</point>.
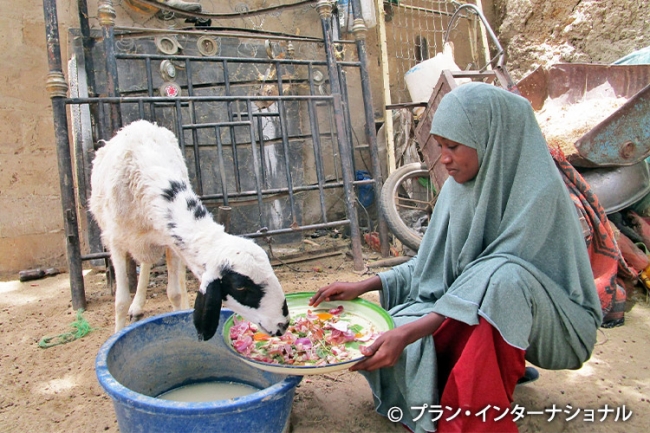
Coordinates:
<point>161,353</point>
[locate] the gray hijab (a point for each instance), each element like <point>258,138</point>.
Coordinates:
<point>516,210</point>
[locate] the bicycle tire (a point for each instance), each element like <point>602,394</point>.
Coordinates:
<point>388,202</point>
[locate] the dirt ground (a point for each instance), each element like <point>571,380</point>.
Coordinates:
<point>56,390</point>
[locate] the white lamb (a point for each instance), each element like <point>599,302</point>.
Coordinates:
<point>144,204</point>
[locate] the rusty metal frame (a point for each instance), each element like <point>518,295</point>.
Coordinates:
<point>109,107</point>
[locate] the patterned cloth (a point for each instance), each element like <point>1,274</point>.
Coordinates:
<point>606,260</point>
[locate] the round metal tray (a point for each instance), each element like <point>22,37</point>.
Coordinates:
<point>619,187</point>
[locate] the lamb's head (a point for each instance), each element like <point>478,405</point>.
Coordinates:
<point>245,283</point>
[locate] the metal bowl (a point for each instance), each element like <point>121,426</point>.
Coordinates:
<point>619,187</point>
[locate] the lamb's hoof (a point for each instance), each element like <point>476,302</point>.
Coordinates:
<point>135,317</point>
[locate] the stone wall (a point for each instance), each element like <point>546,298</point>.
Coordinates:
<point>541,32</point>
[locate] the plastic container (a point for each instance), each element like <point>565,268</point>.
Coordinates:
<point>346,16</point>
<point>153,356</point>
<point>422,78</point>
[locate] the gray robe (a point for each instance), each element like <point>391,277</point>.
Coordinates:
<point>506,246</point>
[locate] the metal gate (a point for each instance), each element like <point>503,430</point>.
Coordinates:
<point>265,120</point>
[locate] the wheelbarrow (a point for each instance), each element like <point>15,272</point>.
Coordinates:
<point>610,154</point>
<point>621,137</point>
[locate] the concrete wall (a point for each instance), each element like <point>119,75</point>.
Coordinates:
<point>31,223</point>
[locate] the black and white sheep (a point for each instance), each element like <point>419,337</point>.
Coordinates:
<point>144,204</point>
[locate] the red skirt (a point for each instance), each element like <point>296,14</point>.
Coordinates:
<point>477,372</point>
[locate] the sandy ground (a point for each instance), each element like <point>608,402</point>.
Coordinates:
<point>56,390</point>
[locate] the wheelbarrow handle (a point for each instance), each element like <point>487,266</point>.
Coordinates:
<point>500,52</point>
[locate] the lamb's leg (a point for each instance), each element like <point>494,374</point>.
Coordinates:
<point>176,288</point>
<point>137,306</point>
<point>122,294</point>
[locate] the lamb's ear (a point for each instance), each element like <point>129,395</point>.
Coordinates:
<point>207,309</point>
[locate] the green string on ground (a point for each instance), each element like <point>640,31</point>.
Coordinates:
<point>81,327</point>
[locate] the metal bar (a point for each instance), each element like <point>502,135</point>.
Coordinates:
<point>100,120</point>
<point>94,256</point>
<point>315,137</point>
<point>228,15</point>
<point>233,140</point>
<point>221,31</point>
<point>222,168</point>
<point>297,229</point>
<point>256,165</point>
<point>187,99</point>
<point>195,135</point>
<point>260,137</point>
<point>346,112</point>
<point>325,11</point>
<point>332,137</point>
<point>87,43</point>
<point>285,191</point>
<point>285,144</point>
<point>57,87</point>
<point>106,15</point>
<point>473,8</point>
<point>425,10</point>
<point>359,30</point>
<point>257,60</point>
<point>152,105</point>
<point>179,127</point>
<point>216,124</point>
<point>385,73</point>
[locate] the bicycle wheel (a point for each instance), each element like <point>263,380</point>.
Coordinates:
<point>406,201</point>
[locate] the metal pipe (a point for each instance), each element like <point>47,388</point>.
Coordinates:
<point>152,105</point>
<point>57,87</point>
<point>282,109</point>
<point>345,149</point>
<point>315,137</point>
<point>385,73</point>
<point>359,29</point>
<point>256,165</point>
<point>106,15</point>
<point>87,43</point>
<point>222,167</point>
<point>473,8</point>
<point>425,10</point>
<point>195,135</point>
<point>233,140</point>
<point>265,233</point>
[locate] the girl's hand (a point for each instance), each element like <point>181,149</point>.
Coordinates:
<point>340,291</point>
<point>384,352</point>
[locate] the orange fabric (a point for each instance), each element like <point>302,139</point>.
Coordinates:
<point>477,371</point>
<point>606,259</point>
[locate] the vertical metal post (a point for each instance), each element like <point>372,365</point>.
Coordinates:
<point>87,44</point>
<point>385,73</point>
<point>57,87</point>
<point>359,29</point>
<point>106,15</point>
<point>324,8</point>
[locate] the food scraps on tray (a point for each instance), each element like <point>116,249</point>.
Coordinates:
<point>314,338</point>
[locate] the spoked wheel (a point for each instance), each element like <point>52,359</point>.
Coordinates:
<point>407,200</point>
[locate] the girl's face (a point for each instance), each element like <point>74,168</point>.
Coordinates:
<point>460,161</point>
